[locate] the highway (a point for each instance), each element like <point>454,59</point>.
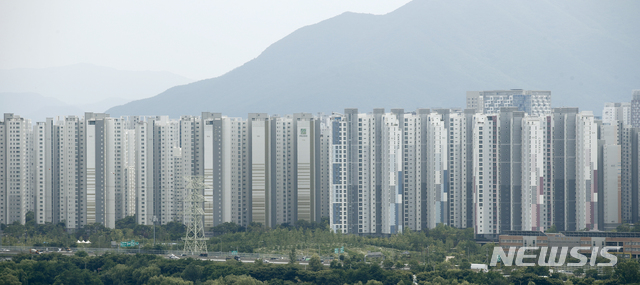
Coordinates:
<point>214,256</point>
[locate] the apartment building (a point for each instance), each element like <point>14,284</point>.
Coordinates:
<point>239,175</point>
<point>129,166</point>
<point>68,181</point>
<point>586,196</point>
<point>437,184</point>
<point>533,196</point>
<point>414,162</point>
<point>532,102</point>
<point>16,192</point>
<point>635,108</point>
<point>103,156</point>
<point>609,176</point>
<point>324,151</point>
<point>375,173</point>
<point>510,168</point>
<point>486,175</point>
<point>616,112</point>
<point>144,165</point>
<point>42,171</point>
<point>389,171</point>
<point>165,141</point>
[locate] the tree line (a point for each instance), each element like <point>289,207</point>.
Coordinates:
<point>55,268</point>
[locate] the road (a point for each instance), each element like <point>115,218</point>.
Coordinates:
<point>247,260</point>
<point>11,250</point>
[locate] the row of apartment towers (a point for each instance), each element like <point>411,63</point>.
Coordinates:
<point>368,173</point>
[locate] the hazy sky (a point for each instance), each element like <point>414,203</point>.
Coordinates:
<point>196,39</point>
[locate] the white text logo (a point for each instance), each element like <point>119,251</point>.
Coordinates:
<point>554,258</point>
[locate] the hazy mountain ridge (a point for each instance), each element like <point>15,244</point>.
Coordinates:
<point>85,86</point>
<point>427,54</point>
<point>35,107</point>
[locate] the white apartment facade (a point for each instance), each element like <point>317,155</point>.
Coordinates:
<point>532,102</point>
<point>165,140</point>
<point>436,174</point>
<point>372,174</point>
<point>457,179</point>
<point>16,193</point>
<point>412,169</point>
<point>260,149</point>
<point>534,208</point>
<point>586,172</point>
<point>239,166</point>
<point>43,174</point>
<point>610,180</point>
<point>67,182</point>
<point>144,165</point>
<point>620,112</point>
<point>485,175</point>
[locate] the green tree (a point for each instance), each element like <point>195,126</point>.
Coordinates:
<point>347,262</point>
<point>552,229</point>
<point>292,256</point>
<point>578,272</point>
<point>128,222</point>
<point>538,270</point>
<point>143,274</point>
<point>192,272</point>
<point>81,253</point>
<point>228,227</point>
<point>315,264</point>
<point>8,278</point>
<point>607,272</point>
<point>162,280</point>
<point>76,276</point>
<point>234,279</point>
<point>335,264</point>
<point>624,228</point>
<point>592,273</point>
<point>465,265</point>
<point>387,263</point>
<point>627,272</point>
<point>175,230</point>
<point>119,274</point>
<point>415,267</point>
<point>255,227</point>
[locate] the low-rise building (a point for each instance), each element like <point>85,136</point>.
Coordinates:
<point>629,241</point>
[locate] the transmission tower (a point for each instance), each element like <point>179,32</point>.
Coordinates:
<point>194,241</point>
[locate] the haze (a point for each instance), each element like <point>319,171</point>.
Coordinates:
<point>194,39</point>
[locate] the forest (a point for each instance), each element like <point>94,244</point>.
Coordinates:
<point>55,268</point>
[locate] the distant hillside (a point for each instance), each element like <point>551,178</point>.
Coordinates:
<point>85,84</point>
<point>428,54</point>
<point>35,106</point>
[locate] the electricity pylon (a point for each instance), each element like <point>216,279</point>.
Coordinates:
<point>194,241</point>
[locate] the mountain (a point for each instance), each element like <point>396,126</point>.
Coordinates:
<point>428,53</point>
<point>35,106</point>
<point>87,84</point>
